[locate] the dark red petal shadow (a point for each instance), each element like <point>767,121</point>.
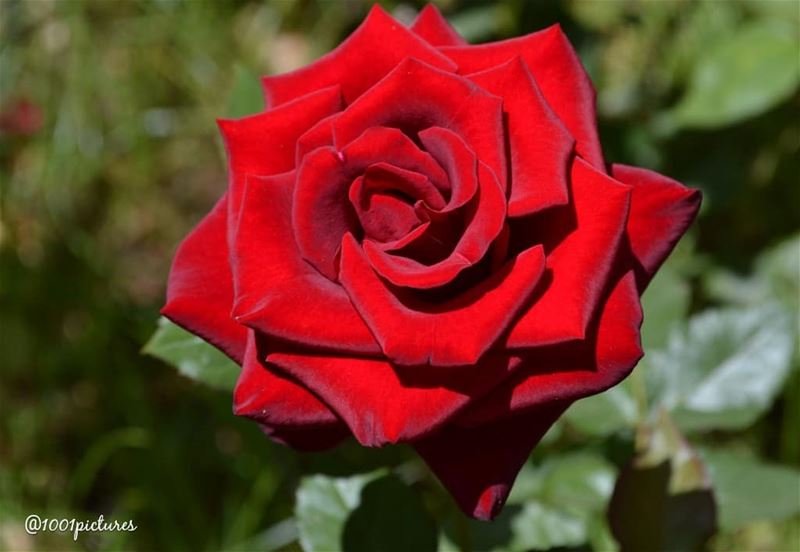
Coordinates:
<point>578,266</point>
<point>200,286</point>
<point>377,403</point>
<point>539,144</point>
<point>478,465</point>
<point>571,371</point>
<point>662,210</point>
<point>485,221</point>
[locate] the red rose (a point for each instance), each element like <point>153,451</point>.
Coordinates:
<point>421,243</point>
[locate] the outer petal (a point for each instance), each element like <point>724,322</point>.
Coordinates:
<point>571,371</point>
<point>455,333</point>
<point>378,404</point>
<point>374,49</point>
<point>661,211</point>
<point>580,264</point>
<point>557,71</point>
<point>200,287</point>
<point>276,291</point>
<point>478,465</point>
<point>270,398</point>
<point>264,144</point>
<point>540,146</point>
<point>434,28</point>
<point>308,439</point>
<point>448,101</point>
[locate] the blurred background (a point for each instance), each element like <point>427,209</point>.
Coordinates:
<point>109,154</point>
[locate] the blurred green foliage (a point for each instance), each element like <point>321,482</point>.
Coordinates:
<point>119,157</point>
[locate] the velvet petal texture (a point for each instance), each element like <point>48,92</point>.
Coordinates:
<point>200,270</point>
<point>374,49</point>
<point>485,221</point>
<point>263,144</point>
<point>449,101</point>
<point>272,399</point>
<point>580,263</point>
<point>539,144</point>
<point>571,371</point>
<point>434,28</point>
<point>478,465</point>
<point>277,292</point>
<point>558,72</point>
<point>414,333</point>
<point>380,403</point>
<point>661,212</point>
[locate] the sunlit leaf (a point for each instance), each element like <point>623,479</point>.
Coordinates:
<point>192,356</point>
<point>540,527</point>
<point>749,71</point>
<point>724,369</point>
<point>605,413</point>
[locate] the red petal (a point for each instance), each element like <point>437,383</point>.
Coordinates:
<point>419,333</point>
<point>661,211</point>
<point>366,56</point>
<point>200,287</point>
<point>559,74</point>
<point>308,439</point>
<point>485,219</point>
<point>379,405</point>
<point>321,214</point>
<point>434,28</point>
<point>389,145</point>
<point>267,397</point>
<point>579,265</point>
<point>478,465</point>
<point>444,100</point>
<point>540,145</point>
<point>264,144</point>
<point>277,292</point>
<point>572,370</point>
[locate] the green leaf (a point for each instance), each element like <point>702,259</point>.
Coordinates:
<point>665,304</point>
<point>540,527</point>
<point>725,369</point>
<point>603,414</point>
<point>322,507</point>
<point>562,501</point>
<point>389,518</point>
<point>366,512</point>
<point>746,73</point>
<point>749,490</point>
<point>580,480</point>
<point>192,356</point>
<point>774,278</point>
<point>246,96</point>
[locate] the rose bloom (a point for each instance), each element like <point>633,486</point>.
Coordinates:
<point>421,243</point>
